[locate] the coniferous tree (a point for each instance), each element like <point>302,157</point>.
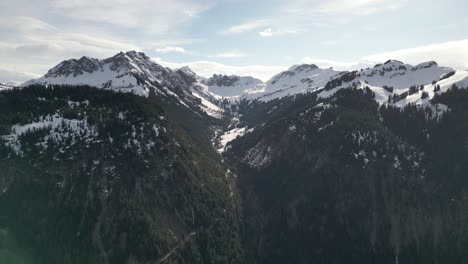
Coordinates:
<point>424,95</point>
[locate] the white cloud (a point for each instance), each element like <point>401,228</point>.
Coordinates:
<point>266,33</point>
<point>208,68</point>
<point>300,16</point>
<point>230,55</point>
<point>156,16</point>
<point>35,36</point>
<point>296,16</point>
<point>270,32</point>
<point>338,65</point>
<point>170,49</point>
<point>10,75</point>
<point>245,27</point>
<point>37,46</point>
<point>359,6</point>
<point>268,24</point>
<point>342,7</point>
<point>38,34</point>
<point>31,24</point>
<point>452,53</point>
<point>150,16</point>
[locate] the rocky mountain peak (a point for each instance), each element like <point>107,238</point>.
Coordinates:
<point>233,85</point>
<point>393,62</point>
<point>74,67</point>
<point>303,67</point>
<point>425,65</point>
<point>186,70</point>
<point>222,80</point>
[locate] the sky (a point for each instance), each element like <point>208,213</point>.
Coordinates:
<point>243,37</point>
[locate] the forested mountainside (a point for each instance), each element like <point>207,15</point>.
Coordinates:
<point>93,176</point>
<point>124,161</point>
<point>342,180</point>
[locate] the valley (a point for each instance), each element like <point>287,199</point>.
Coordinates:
<point>122,160</point>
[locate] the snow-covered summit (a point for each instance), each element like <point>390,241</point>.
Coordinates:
<point>392,82</point>
<point>186,70</point>
<point>397,83</point>
<point>232,85</point>
<point>390,79</point>
<point>399,75</point>
<point>298,79</point>
<point>303,67</point>
<point>74,67</point>
<point>127,72</point>
<point>132,72</point>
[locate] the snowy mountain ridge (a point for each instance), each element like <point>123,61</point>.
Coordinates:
<point>5,86</point>
<point>121,72</point>
<point>297,79</point>
<point>132,72</point>
<point>233,86</point>
<point>397,83</point>
<point>392,82</point>
<point>390,79</point>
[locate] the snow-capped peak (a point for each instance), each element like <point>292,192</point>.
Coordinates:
<point>187,71</point>
<point>297,79</point>
<point>74,67</point>
<point>133,72</point>
<point>397,83</point>
<point>399,75</point>
<point>392,82</point>
<point>232,85</point>
<point>425,65</point>
<point>127,72</point>
<point>303,67</point>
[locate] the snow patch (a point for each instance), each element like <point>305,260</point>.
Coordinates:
<point>258,156</point>
<point>208,107</point>
<point>60,130</point>
<point>230,135</point>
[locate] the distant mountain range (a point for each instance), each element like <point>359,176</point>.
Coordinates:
<point>136,73</point>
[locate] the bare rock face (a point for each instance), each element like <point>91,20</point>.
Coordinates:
<point>75,67</point>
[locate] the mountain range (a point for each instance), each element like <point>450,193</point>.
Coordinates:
<point>136,73</point>
<point>122,160</point>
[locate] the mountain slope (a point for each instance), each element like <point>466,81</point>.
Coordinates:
<point>93,176</point>
<point>332,167</point>
<point>351,182</point>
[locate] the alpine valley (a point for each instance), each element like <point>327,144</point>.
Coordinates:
<point>122,160</point>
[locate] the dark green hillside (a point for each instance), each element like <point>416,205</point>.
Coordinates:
<point>341,180</point>
<point>103,177</point>
<point>93,176</point>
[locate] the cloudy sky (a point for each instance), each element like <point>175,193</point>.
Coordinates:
<point>244,37</point>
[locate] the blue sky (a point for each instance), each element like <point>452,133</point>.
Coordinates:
<point>258,38</point>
